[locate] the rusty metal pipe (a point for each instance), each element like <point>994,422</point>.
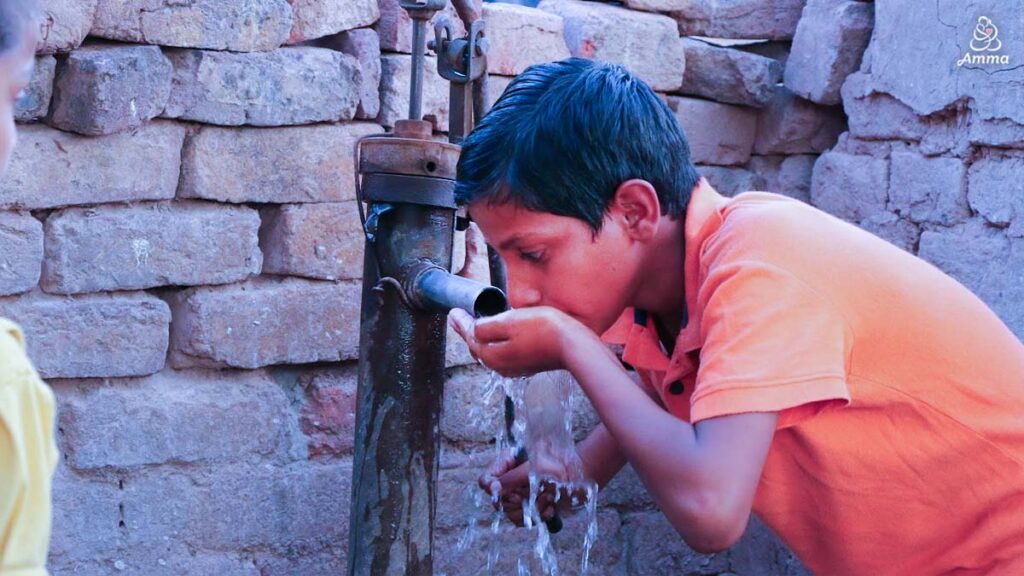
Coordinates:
<point>435,289</point>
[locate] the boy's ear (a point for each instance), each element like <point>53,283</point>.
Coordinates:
<point>636,205</point>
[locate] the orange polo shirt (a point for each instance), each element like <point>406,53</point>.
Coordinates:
<point>900,439</point>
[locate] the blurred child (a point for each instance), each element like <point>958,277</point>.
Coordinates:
<point>866,406</point>
<point>28,454</point>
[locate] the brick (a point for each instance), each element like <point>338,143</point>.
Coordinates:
<point>265,321</point>
<point>899,232</point>
<point>728,75</point>
<point>792,125</point>
<point>236,25</point>
<point>318,18</point>
<point>878,116</point>
<point>996,191</point>
<point>457,353</point>
<point>646,44</point>
<point>279,165</point>
<point>328,415</point>
<point>93,336</point>
<point>731,180</point>
<point>149,245</point>
<point>395,26</point>
<point>828,46</point>
<point>985,260</point>
<point>719,134</point>
<point>314,240</point>
<point>510,27</point>
<point>764,19</point>
<point>928,190</point>
<point>777,50</point>
<point>85,516</point>
<point>999,132</point>
<point>787,175</point>
<point>102,89</point>
<point>36,101</point>
<point>305,502</point>
<point>65,24</point>
<point>52,168</point>
<point>850,186</point>
<point>469,417</point>
<point>396,72</point>
<point>656,5</point>
<point>496,86</point>
<point>21,252</point>
<point>179,417</point>
<point>296,85</point>
<point>364,46</point>
<point>514,547</point>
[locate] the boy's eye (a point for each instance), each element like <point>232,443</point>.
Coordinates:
<point>534,256</point>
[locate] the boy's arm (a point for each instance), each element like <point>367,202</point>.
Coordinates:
<point>703,477</point>
<point>601,456</point>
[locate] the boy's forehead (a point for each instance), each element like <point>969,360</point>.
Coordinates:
<point>506,222</point>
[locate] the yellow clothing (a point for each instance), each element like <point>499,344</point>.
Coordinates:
<point>28,457</point>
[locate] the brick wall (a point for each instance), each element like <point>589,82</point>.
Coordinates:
<point>178,237</point>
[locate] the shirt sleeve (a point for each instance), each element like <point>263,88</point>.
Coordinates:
<point>28,457</point>
<point>772,343</point>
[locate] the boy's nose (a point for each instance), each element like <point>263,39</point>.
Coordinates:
<point>521,295</point>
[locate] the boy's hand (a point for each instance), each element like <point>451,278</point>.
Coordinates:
<point>520,342</point>
<point>511,484</point>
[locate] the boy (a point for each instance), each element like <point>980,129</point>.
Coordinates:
<point>28,454</point>
<point>866,406</point>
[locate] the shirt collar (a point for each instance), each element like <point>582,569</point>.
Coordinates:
<point>634,329</point>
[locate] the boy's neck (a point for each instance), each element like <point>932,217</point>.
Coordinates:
<point>662,287</point>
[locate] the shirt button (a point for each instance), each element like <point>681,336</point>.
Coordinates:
<point>676,387</point>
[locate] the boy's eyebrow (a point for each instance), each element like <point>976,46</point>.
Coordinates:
<point>510,241</point>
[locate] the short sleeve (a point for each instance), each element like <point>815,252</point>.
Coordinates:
<point>771,343</point>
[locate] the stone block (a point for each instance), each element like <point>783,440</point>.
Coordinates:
<point>235,25</point>
<point>473,409</point>
<point>102,89</point>
<point>828,46</point>
<point>396,74</point>
<point>762,19</point>
<point>319,18</point>
<point>511,28</point>
<point>996,191</point>
<point>272,165</point>
<point>179,417</point>
<point>296,85</point>
<point>496,86</point>
<point>65,24</point>
<point>985,260</point>
<point>719,134</point>
<point>265,321</point>
<point>328,415</point>
<point>364,46</point>
<point>93,336</point>
<point>729,75</point>
<point>928,190</point>
<point>21,252</point>
<point>787,175</point>
<point>792,125</point>
<point>322,241</point>
<point>850,186</point>
<point>731,180</point>
<point>878,116</point>
<point>52,168</point>
<point>645,44</point>
<point>897,231</point>
<point>36,101</point>
<point>395,26</point>
<point>149,245</point>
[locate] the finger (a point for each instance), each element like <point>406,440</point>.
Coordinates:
<point>516,477</point>
<point>547,512</point>
<point>463,323</point>
<point>515,516</point>
<point>494,328</point>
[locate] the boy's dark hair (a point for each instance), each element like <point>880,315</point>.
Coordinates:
<point>563,137</point>
<point>14,16</point>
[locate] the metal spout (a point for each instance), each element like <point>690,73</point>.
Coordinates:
<point>435,289</point>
